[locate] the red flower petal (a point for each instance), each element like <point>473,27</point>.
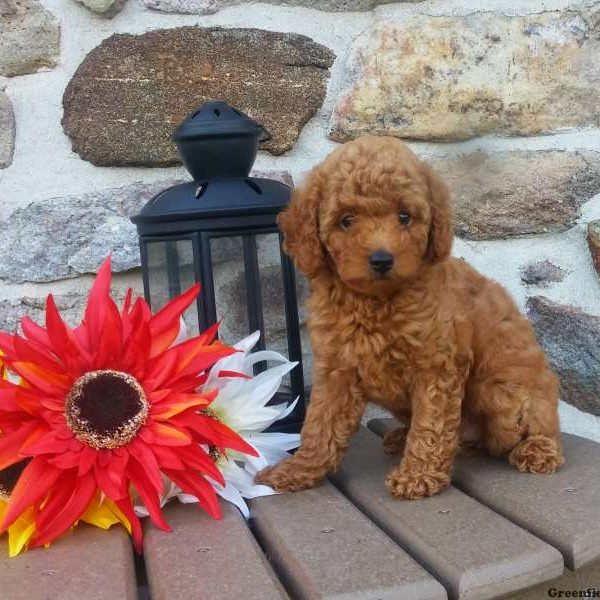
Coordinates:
<point>96,306</point>
<point>198,459</point>
<point>109,345</point>
<point>32,352</point>
<point>7,343</point>
<point>8,398</point>
<point>197,486</point>
<point>145,456</point>
<point>47,443</point>
<point>148,494</point>
<point>11,444</point>
<point>83,493</point>
<point>32,486</point>
<point>59,496</point>
<point>165,324</point>
<point>226,373</point>
<point>48,382</point>
<point>166,435</point>
<point>137,350</point>
<point>87,458</point>
<point>168,458</point>
<point>63,341</point>
<point>215,432</point>
<point>109,470</point>
<point>124,505</point>
<point>166,410</point>
<point>34,332</point>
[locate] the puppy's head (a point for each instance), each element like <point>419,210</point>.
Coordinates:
<point>371,214</point>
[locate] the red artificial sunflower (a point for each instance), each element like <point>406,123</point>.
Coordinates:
<point>107,407</point>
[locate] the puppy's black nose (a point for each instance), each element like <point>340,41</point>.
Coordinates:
<point>381,261</point>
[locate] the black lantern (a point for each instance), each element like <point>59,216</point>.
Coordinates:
<point>220,230</point>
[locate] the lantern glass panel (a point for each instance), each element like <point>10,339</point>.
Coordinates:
<point>272,294</point>
<point>227,255</point>
<point>171,272</point>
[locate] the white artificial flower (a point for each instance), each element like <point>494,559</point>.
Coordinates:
<point>242,405</point>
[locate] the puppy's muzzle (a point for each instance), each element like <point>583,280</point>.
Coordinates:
<point>381,262</point>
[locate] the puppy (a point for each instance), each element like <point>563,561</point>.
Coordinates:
<point>396,321</point>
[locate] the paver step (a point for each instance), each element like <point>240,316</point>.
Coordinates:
<point>354,541</point>
<point>86,563</point>
<point>207,559</point>
<point>324,547</point>
<point>472,550</point>
<point>562,509</point>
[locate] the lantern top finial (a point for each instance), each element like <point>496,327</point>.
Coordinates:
<point>218,140</point>
<point>218,145</point>
<point>218,118</point>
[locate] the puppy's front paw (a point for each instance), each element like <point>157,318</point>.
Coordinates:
<point>415,486</point>
<point>287,476</point>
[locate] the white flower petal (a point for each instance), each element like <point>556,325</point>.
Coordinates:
<point>231,494</point>
<point>187,498</point>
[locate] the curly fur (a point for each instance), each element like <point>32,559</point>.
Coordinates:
<point>440,346</point>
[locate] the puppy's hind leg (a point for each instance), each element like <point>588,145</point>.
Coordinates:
<point>540,450</point>
<point>522,421</point>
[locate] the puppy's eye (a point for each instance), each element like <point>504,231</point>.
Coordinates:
<point>346,221</point>
<point>404,217</point>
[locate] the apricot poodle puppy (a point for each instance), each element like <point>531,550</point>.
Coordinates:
<point>396,321</point>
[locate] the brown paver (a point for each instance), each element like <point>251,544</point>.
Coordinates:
<point>87,563</point>
<point>323,547</point>
<point>563,508</point>
<point>207,559</point>
<point>474,551</point>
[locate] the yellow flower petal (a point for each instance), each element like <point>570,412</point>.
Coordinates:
<point>104,514</point>
<point>20,532</point>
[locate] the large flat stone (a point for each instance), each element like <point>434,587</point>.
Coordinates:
<point>205,7</point>
<point>68,236</point>
<point>7,131</point>
<point>71,306</point>
<point>207,559</point>
<point>85,563</point>
<point>473,551</point>
<point>503,194</point>
<point>570,338</point>
<point>593,239</point>
<point>105,8</point>
<point>64,237</point>
<point>325,548</point>
<point>562,509</point>
<point>131,91</point>
<point>542,273</point>
<point>29,37</point>
<point>457,77</point>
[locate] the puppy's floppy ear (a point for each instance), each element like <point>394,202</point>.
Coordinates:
<point>439,244</point>
<point>299,223</point>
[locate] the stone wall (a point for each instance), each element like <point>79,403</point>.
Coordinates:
<point>499,95</point>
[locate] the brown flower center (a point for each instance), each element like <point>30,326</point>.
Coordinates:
<point>105,409</point>
<point>9,478</point>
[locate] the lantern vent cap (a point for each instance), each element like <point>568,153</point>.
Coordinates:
<point>218,118</point>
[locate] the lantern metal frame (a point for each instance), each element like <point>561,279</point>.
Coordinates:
<point>199,230</point>
<point>218,145</point>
